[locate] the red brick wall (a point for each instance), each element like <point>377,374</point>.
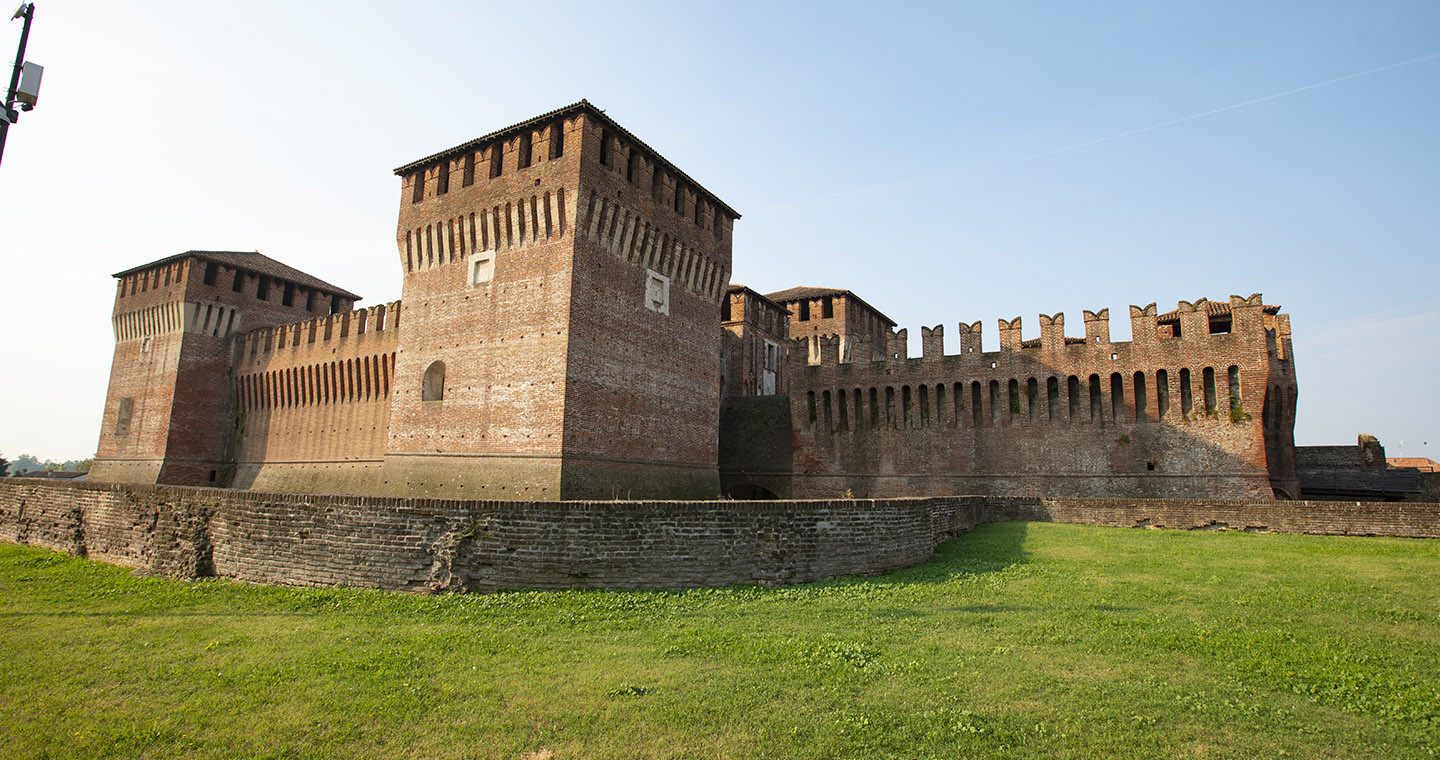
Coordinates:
<point>497,433</point>
<point>445,544</point>
<point>172,356</point>
<point>314,402</point>
<point>643,387</point>
<point>1023,449</point>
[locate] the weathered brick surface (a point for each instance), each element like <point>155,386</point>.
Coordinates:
<point>175,336</point>
<point>1057,416</point>
<point>446,544</point>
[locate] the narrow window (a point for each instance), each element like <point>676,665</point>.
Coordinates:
<point>631,164</point>
<point>1012,389</point>
<point>524,150</point>
<point>939,404</point>
<point>889,406</point>
<point>843,410</point>
<point>1072,393</point>
<point>432,388</point>
<point>1209,389</point>
<point>827,307</point>
<point>468,178</point>
<point>874,409</point>
<point>123,413</point>
<point>262,288</point>
<point>334,304</point>
<point>1117,395</point>
<point>239,283</point>
<point>211,268</point>
<point>1140,398</point>
<point>994,402</point>
<point>1187,400</point>
<point>1052,397</point>
<point>1162,391</point>
<point>907,420</point>
<point>497,159</point>
<point>557,139</point>
<point>442,183</point>
<point>810,400</point>
<point>417,192</point>
<point>804,311</point>
<point>287,298</point>
<point>604,147</point>
<point>679,198</point>
<point>1234,389</point>
<point>959,397</point>
<point>1095,407</point>
<point>310,304</point>
<point>699,206</point>
<point>657,183</point>
<point>977,417</point>
<point>1032,398</point>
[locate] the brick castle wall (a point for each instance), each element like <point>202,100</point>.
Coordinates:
<point>496,431</point>
<point>313,402</point>
<point>445,544</point>
<point>642,390</point>
<point>1055,417</point>
<point>174,327</point>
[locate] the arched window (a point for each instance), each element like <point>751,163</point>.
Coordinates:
<point>433,387</point>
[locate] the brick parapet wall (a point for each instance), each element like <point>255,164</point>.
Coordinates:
<point>446,544</point>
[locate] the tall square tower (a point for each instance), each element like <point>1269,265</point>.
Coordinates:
<point>562,288</point>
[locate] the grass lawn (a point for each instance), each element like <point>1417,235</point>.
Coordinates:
<point>1017,640</point>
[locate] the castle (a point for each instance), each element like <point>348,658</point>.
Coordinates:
<point>568,330</point>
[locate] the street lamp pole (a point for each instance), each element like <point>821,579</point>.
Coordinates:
<point>27,12</point>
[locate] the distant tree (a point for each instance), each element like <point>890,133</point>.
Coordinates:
<point>4,466</point>
<point>25,463</point>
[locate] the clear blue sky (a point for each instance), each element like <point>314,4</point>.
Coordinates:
<point>948,161</point>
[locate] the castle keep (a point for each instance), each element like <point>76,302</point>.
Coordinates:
<point>568,330</point>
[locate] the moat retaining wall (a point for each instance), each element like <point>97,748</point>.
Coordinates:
<point>445,544</point>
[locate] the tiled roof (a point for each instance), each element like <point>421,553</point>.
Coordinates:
<point>804,292</point>
<point>251,261</point>
<point>1213,308</point>
<point>735,287</point>
<point>585,106</point>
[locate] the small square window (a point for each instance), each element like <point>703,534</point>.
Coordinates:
<point>482,268</point>
<point>657,292</point>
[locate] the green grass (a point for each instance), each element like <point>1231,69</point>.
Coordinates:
<point>1017,640</point>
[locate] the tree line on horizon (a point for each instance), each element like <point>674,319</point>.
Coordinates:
<point>30,463</point>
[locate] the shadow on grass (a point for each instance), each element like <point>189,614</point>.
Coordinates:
<point>989,548</point>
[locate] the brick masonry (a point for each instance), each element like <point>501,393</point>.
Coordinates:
<point>450,545</point>
<point>1200,403</point>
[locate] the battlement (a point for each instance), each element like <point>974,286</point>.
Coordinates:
<point>1192,323</point>
<point>256,346</point>
<point>552,136</point>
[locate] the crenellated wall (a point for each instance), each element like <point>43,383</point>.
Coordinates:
<point>1199,403</point>
<point>313,402</point>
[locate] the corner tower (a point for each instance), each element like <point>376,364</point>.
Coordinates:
<point>562,286</point>
<point>169,413</point>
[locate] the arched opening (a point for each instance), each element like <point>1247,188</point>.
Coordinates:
<point>433,387</point>
<point>750,492</point>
